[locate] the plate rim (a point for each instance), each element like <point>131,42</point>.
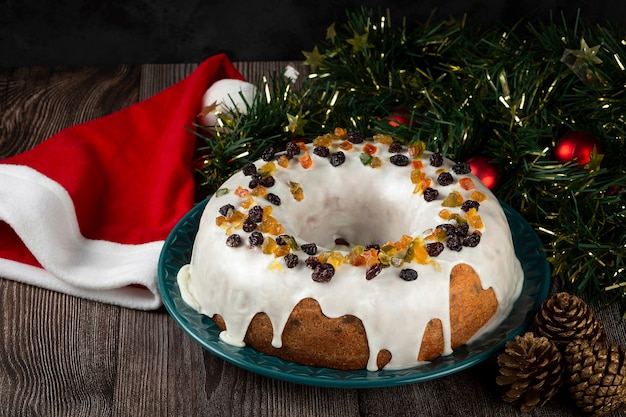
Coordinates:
<point>360,378</point>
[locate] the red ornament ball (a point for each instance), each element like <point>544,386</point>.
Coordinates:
<point>576,145</point>
<point>400,117</point>
<point>485,171</point>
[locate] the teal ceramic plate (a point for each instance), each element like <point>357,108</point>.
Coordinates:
<point>177,252</point>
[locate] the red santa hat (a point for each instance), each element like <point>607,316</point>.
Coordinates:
<point>86,212</point>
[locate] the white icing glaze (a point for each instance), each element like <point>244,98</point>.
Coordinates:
<point>362,205</point>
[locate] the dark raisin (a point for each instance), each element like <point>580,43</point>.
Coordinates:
<point>282,240</point>
<point>312,262</point>
<point>400,160</point>
<point>292,148</point>
<point>322,151</point>
<point>268,181</point>
<point>462,168</point>
<point>226,208</point>
<point>470,204</point>
<point>337,158</point>
<point>291,260</point>
<point>462,230</point>
<point>408,274</point>
<point>255,214</point>
<point>356,136</point>
<point>372,246</point>
<point>373,271</point>
<point>472,240</point>
<point>309,248</point>
<point>233,240</point>
<point>434,249</point>
<point>323,272</point>
<point>448,228</point>
<point>248,226</point>
<point>255,180</point>
<point>249,169</point>
<point>430,194</point>
<point>268,154</point>
<point>436,159</point>
<point>256,239</point>
<point>445,178</point>
<point>396,147</point>
<point>273,198</point>
<point>341,242</point>
<point>455,243</point>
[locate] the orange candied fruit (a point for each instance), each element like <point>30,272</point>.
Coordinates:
<point>445,214</point>
<point>438,234</point>
<point>305,161</point>
<point>417,150</point>
<point>478,196</point>
<point>340,133</point>
<point>247,203</point>
<point>268,245</point>
<point>355,257</point>
<point>370,149</point>
<point>324,140</point>
<point>466,183</point>
<point>420,255</point>
<point>346,146</point>
<point>281,250</point>
<point>259,191</point>
<point>242,192</point>
<point>382,138</point>
<point>417,164</point>
<point>474,219</point>
<point>371,257</point>
<point>301,145</point>
<point>403,243</point>
<point>283,161</point>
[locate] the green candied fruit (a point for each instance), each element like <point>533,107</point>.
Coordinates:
<point>221,192</point>
<point>365,158</point>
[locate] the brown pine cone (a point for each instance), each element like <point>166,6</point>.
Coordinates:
<point>530,369</point>
<point>595,376</point>
<point>564,318</point>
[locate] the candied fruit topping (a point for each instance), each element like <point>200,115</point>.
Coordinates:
<point>337,158</point>
<point>259,191</point>
<point>445,178</point>
<point>376,162</point>
<point>466,183</point>
<point>408,274</point>
<point>417,164</point>
<point>268,245</point>
<point>417,149</point>
<point>233,240</point>
<point>436,159</point>
<point>283,161</point>
<point>267,168</point>
<point>275,266</point>
<point>323,141</point>
<point>454,199</point>
<point>365,158</point>
<point>370,149</point>
<point>478,196</point>
<point>445,214</point>
<point>340,133</point>
<point>247,203</point>
<point>346,146</point>
<point>323,272</point>
<point>400,160</point>
<point>305,161</point>
<point>382,138</point>
<point>242,192</point>
<point>296,191</point>
<point>474,219</point>
<point>281,250</point>
<point>335,259</point>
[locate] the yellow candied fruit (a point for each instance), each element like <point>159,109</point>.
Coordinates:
<point>296,190</point>
<point>474,219</point>
<point>376,162</point>
<point>346,146</point>
<point>438,234</point>
<point>335,259</point>
<point>445,214</point>
<point>417,149</point>
<point>323,141</point>
<point>355,257</point>
<point>268,245</point>
<point>305,161</point>
<point>267,212</point>
<point>420,255</point>
<point>340,133</point>
<point>275,266</point>
<point>417,176</point>
<point>259,191</point>
<point>441,170</point>
<point>267,168</point>
<point>221,221</point>
<point>236,219</point>
<point>301,145</point>
<point>478,196</point>
<point>454,199</point>
<point>281,250</point>
<point>242,192</point>
<point>283,161</point>
<point>382,138</point>
<point>270,225</point>
<point>466,183</point>
<point>247,203</point>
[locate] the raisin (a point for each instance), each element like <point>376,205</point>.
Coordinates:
<point>256,239</point>
<point>462,168</point>
<point>322,151</point>
<point>323,272</point>
<point>445,178</point>
<point>226,208</point>
<point>273,198</point>
<point>255,179</point>
<point>268,181</point>
<point>312,262</point>
<point>408,274</point>
<point>396,147</point>
<point>233,240</point>
<point>462,230</point>
<point>249,169</point>
<point>292,148</point>
<point>309,248</point>
<point>356,136</point>
<point>470,204</point>
<point>248,226</point>
<point>436,159</point>
<point>400,160</point>
<point>255,214</point>
<point>282,239</point>
<point>430,194</point>
<point>448,228</point>
<point>373,271</point>
<point>291,260</point>
<point>455,243</point>
<point>337,158</point>
<point>472,240</point>
<point>268,154</point>
<point>434,249</point>
<point>372,246</point>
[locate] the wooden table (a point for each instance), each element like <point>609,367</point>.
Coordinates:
<point>66,356</point>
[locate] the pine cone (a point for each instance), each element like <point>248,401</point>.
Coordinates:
<point>530,368</point>
<point>564,318</point>
<point>595,376</point>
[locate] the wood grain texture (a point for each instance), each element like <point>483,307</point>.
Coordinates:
<point>65,356</point>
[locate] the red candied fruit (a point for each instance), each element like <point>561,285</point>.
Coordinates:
<point>370,149</point>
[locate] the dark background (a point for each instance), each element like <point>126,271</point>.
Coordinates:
<point>74,32</point>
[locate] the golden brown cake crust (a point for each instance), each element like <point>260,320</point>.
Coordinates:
<point>310,338</point>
